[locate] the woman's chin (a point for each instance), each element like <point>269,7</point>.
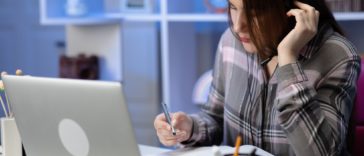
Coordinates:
<point>249,48</point>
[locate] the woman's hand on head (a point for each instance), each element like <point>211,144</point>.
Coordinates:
<point>182,124</point>
<point>307,19</point>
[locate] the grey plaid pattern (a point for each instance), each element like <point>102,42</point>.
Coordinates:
<point>303,109</point>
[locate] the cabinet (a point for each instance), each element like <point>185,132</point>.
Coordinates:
<point>173,27</point>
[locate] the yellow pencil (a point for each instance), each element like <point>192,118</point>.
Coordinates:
<point>237,145</point>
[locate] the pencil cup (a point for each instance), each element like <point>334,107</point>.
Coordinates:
<point>10,138</point>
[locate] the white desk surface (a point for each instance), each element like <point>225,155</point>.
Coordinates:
<point>146,150</point>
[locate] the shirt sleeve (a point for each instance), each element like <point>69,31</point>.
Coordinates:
<point>208,124</point>
<point>316,119</point>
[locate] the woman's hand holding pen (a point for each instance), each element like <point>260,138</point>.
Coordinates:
<point>307,19</point>
<point>180,121</point>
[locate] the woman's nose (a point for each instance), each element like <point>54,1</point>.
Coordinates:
<point>240,24</point>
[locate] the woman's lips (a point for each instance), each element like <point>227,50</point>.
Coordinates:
<point>244,39</point>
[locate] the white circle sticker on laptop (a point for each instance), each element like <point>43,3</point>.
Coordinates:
<point>73,137</point>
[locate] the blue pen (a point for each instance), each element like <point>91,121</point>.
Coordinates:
<point>166,114</point>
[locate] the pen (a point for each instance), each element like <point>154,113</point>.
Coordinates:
<point>166,114</point>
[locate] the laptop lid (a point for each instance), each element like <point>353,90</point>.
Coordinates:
<point>71,117</point>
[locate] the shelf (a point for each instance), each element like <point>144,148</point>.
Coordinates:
<point>108,18</point>
<point>78,21</point>
<point>169,17</point>
<point>52,14</point>
<point>117,17</point>
<point>347,16</point>
<point>197,17</point>
<point>135,17</point>
<point>105,19</point>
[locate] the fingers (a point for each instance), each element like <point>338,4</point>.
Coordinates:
<point>168,134</point>
<point>164,131</point>
<point>168,142</point>
<point>178,118</point>
<point>317,14</point>
<point>160,122</point>
<point>304,6</point>
<point>167,139</point>
<point>311,11</point>
<point>307,18</point>
<point>301,18</point>
<point>165,136</point>
<point>297,13</point>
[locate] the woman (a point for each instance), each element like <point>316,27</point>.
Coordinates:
<point>284,79</point>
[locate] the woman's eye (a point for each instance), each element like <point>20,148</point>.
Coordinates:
<point>232,7</point>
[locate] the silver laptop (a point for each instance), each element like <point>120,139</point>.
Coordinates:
<point>62,117</point>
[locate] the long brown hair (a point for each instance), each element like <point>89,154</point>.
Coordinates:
<point>267,22</point>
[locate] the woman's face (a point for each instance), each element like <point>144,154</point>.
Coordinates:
<point>240,26</point>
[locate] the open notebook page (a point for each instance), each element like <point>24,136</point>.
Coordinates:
<point>208,151</point>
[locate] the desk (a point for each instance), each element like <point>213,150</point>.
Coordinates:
<point>205,151</point>
<point>146,150</point>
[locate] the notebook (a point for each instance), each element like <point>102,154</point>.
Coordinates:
<point>244,150</point>
<point>71,117</point>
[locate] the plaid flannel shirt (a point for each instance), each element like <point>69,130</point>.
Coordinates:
<point>303,109</point>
